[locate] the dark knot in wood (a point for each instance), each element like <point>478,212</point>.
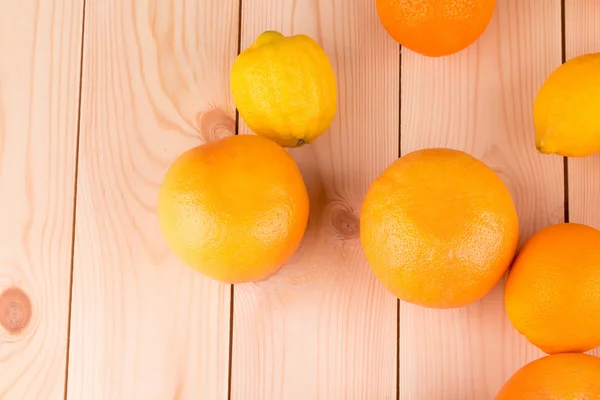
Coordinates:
<point>215,124</point>
<point>15,310</point>
<point>344,221</point>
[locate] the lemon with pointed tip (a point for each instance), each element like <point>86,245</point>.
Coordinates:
<point>284,88</point>
<point>566,109</point>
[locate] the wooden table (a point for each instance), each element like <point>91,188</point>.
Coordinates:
<point>98,97</point>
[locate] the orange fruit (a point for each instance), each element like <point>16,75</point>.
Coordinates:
<point>435,27</point>
<point>439,228</point>
<point>558,377</point>
<point>552,293</point>
<point>234,209</point>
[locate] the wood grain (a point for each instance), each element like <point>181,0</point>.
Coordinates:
<point>481,101</point>
<point>155,83</point>
<point>40,44</point>
<point>323,327</point>
<point>582,36</point>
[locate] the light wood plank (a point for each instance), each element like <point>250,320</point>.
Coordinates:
<point>481,101</point>
<point>40,49</point>
<point>155,81</point>
<point>582,35</point>
<point>323,327</point>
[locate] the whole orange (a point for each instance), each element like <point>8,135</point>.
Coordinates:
<point>234,209</point>
<point>439,228</point>
<point>558,377</point>
<point>435,27</point>
<point>552,293</point>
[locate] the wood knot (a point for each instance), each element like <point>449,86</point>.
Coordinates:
<point>344,221</point>
<point>15,310</point>
<point>215,124</point>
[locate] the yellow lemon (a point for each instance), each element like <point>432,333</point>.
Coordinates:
<point>566,109</point>
<point>284,88</point>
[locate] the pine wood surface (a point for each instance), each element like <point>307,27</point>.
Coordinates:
<point>97,98</point>
<point>155,83</point>
<point>330,328</point>
<point>40,45</point>
<point>582,36</point>
<point>481,101</point>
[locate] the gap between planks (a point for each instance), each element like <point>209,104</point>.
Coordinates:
<point>77,135</point>
<point>563,44</point>
<point>399,155</point>
<point>231,293</point>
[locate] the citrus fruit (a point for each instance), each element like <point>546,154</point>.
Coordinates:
<point>552,292</point>
<point>557,377</point>
<point>435,27</point>
<point>284,88</point>
<point>234,209</point>
<point>566,107</point>
<point>439,228</point>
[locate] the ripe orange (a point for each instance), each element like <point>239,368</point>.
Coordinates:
<point>435,27</point>
<point>558,377</point>
<point>439,228</point>
<point>552,293</point>
<point>234,209</point>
